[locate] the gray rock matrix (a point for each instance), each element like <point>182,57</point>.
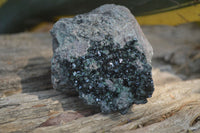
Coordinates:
<point>105,57</point>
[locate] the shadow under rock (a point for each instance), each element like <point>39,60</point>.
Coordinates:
<point>36,80</point>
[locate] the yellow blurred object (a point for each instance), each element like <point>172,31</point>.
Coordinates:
<point>174,17</point>
<point>59,17</point>
<point>2,2</point>
<point>42,27</point>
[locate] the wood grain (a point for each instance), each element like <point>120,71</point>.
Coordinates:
<point>28,103</point>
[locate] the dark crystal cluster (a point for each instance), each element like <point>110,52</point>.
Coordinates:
<point>105,57</point>
<point>112,77</point>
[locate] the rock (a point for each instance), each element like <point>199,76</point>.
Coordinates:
<point>105,56</point>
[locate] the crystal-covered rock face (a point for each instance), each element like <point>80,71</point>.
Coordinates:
<point>105,57</point>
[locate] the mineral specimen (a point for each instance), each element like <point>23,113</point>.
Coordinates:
<point>105,56</point>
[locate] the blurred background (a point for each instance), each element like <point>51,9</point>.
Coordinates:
<point>171,26</point>
<point>28,15</point>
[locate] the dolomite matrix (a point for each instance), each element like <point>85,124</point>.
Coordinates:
<point>105,57</point>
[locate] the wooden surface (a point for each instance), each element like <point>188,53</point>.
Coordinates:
<point>29,104</point>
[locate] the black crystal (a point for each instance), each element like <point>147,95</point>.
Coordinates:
<point>114,80</point>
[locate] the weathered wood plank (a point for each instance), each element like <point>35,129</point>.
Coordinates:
<point>174,106</point>
<point>29,104</point>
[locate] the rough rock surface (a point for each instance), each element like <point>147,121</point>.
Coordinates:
<point>105,56</point>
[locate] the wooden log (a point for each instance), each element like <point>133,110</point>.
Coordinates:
<point>29,104</point>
